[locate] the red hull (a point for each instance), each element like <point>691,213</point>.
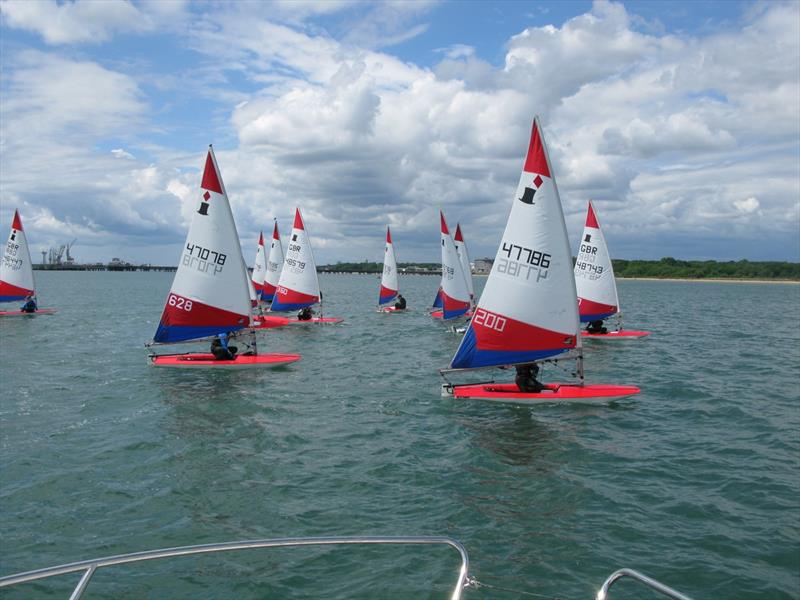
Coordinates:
<point>392,309</point>
<point>270,322</point>
<point>194,360</point>
<point>553,393</point>
<point>624,334</point>
<point>19,313</point>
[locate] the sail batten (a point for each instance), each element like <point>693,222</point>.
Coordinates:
<point>528,309</point>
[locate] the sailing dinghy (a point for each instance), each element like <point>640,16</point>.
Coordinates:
<point>390,286</point>
<point>595,283</point>
<point>259,269</point>
<point>210,294</point>
<point>298,286</point>
<point>436,307</point>
<point>274,264</point>
<point>16,272</point>
<point>466,268</point>
<point>454,291</point>
<point>528,311</point>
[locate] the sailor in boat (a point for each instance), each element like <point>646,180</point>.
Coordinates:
<point>596,327</point>
<point>220,348</point>
<point>401,302</point>
<point>305,314</point>
<point>30,304</point>
<point>526,379</point>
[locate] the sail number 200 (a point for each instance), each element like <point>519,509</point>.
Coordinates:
<point>489,320</point>
<point>179,303</point>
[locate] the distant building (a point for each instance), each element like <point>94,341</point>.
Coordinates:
<point>482,265</point>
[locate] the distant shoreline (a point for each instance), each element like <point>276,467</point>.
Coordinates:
<point>134,268</point>
<point>693,279</point>
<point>710,280</point>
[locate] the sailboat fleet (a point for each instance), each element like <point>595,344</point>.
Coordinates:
<point>529,313</point>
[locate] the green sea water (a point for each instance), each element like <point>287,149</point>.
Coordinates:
<point>694,482</point>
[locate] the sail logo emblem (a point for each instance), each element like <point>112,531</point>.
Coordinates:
<point>13,235</point>
<point>588,238</point>
<point>204,205</point>
<point>527,195</point>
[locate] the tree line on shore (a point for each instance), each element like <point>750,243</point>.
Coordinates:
<point>666,268</point>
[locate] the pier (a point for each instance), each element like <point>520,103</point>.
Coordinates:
<point>112,266</point>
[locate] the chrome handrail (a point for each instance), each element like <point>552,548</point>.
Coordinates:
<point>648,581</point>
<point>90,566</point>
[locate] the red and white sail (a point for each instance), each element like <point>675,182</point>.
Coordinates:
<point>463,255</point>
<point>259,268</point>
<point>298,285</point>
<point>211,290</point>
<point>274,264</point>
<point>455,295</point>
<point>390,286</point>
<point>528,309</point>
<point>16,270</point>
<point>594,274</point>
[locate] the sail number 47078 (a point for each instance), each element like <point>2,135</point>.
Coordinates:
<point>179,302</point>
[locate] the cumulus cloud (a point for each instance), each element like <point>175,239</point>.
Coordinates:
<point>81,20</point>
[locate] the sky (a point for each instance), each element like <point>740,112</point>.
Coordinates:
<point>679,120</point>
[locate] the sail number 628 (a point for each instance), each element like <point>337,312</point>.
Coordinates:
<point>180,303</point>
